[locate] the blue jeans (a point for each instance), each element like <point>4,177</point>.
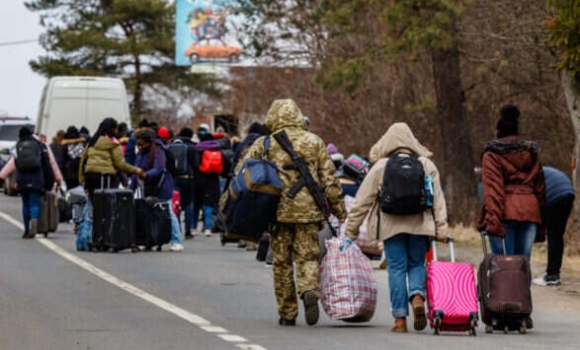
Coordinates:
<point>207,217</point>
<point>185,188</point>
<point>519,238</point>
<point>175,231</point>
<point>405,258</point>
<point>30,207</point>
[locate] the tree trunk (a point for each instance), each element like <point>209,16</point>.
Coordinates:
<point>458,177</point>
<point>572,94</point>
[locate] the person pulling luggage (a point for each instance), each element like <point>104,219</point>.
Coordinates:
<point>298,216</point>
<point>34,174</point>
<point>411,209</point>
<point>158,182</point>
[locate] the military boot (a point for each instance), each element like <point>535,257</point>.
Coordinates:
<point>310,307</point>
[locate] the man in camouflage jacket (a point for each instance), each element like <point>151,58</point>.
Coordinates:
<point>299,219</point>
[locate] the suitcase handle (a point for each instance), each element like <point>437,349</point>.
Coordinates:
<point>484,243</point>
<point>449,241</point>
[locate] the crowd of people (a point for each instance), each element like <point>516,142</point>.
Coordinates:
<point>519,195</point>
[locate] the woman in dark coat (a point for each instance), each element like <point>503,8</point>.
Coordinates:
<point>513,188</point>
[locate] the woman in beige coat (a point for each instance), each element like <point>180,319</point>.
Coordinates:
<point>405,237</point>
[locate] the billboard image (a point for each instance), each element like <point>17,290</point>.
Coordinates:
<point>205,33</point>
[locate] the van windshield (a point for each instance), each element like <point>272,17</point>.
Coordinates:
<point>10,132</point>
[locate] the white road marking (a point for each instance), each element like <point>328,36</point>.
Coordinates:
<point>196,320</point>
<point>232,338</point>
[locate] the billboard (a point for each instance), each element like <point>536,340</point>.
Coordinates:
<point>205,33</point>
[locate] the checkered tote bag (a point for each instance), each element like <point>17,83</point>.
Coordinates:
<point>348,284</point>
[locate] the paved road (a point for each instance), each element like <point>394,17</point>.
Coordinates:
<point>49,302</point>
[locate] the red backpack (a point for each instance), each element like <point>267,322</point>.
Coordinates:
<point>211,162</point>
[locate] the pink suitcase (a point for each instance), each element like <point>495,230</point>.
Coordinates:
<point>451,295</point>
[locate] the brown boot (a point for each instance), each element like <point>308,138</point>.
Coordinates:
<point>419,316</point>
<point>400,325</point>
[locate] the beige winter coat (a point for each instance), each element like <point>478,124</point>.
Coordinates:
<point>399,138</point>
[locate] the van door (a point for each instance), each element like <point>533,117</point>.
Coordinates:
<point>106,99</point>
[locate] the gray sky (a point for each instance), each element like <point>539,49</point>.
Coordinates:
<point>20,88</point>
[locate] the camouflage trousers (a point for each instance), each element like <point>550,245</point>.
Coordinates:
<point>296,243</point>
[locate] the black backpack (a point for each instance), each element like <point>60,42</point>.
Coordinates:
<point>403,190</point>
<point>28,155</point>
<point>170,162</point>
<point>179,151</point>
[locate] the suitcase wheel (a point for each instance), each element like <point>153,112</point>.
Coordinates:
<point>488,329</point>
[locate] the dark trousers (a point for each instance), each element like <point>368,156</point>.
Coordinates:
<point>556,217</point>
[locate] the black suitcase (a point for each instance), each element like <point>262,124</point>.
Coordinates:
<point>153,222</point>
<point>113,219</point>
<point>48,215</point>
<point>505,296</point>
<point>263,246</point>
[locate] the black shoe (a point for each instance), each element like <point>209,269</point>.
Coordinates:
<point>188,236</point>
<point>311,311</point>
<point>285,322</point>
<point>26,235</point>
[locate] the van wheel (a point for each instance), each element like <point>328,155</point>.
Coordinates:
<point>234,58</point>
<point>194,58</point>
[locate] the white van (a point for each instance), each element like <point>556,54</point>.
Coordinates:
<point>81,101</point>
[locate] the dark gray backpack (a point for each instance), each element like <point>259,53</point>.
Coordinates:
<point>28,155</point>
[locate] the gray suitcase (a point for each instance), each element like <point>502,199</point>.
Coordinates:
<point>48,216</point>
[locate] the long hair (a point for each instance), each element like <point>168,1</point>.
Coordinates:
<point>106,128</point>
<point>148,136</point>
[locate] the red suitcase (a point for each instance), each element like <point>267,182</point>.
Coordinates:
<point>451,295</point>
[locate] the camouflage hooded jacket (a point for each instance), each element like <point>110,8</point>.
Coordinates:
<point>284,114</point>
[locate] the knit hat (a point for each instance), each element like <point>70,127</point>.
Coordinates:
<point>331,148</point>
<point>163,133</point>
<point>204,127</point>
<point>507,125</point>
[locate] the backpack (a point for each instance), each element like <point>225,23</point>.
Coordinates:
<point>403,190</point>
<point>211,162</point>
<point>250,203</point>
<point>28,155</point>
<point>170,162</point>
<point>179,150</point>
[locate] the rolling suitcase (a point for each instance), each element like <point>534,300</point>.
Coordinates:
<point>451,294</point>
<point>504,291</point>
<point>48,215</point>
<point>113,219</point>
<point>153,224</point>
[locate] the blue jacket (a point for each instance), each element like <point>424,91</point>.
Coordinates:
<point>36,181</point>
<point>159,182</point>
<point>130,150</point>
<point>558,186</point>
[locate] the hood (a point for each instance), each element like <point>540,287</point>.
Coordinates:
<point>284,114</point>
<point>73,141</point>
<point>400,137</point>
<point>186,140</point>
<point>105,143</point>
<point>522,154</point>
<point>205,145</point>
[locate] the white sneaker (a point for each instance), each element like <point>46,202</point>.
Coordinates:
<point>207,233</point>
<point>193,232</point>
<point>547,281</point>
<point>175,247</point>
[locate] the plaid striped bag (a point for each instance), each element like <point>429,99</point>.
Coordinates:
<point>348,284</point>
